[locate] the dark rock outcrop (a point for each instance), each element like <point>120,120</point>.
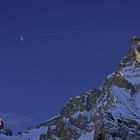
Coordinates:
<point>7,132</point>
<point>1,124</point>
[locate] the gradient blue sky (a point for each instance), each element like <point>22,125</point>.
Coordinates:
<point>68,47</point>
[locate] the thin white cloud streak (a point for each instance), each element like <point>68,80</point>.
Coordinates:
<point>69,32</point>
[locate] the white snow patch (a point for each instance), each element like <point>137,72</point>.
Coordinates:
<point>84,113</point>
<point>132,74</point>
<point>137,101</point>
<point>87,136</point>
<point>35,133</point>
<point>125,103</point>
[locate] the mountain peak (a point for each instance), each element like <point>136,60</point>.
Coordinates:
<point>133,54</point>
<point>108,112</point>
<point>129,66</point>
<point>135,41</point>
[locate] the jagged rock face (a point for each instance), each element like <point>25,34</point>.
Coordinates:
<point>80,103</point>
<point>109,112</point>
<point>118,80</point>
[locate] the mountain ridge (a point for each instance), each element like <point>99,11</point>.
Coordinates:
<point>108,112</point>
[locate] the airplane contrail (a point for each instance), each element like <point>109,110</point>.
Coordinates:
<point>66,32</point>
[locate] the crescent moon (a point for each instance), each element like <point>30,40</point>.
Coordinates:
<point>21,38</point>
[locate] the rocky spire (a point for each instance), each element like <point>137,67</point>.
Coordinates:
<point>133,54</point>
<point>135,41</point>
<point>1,124</point>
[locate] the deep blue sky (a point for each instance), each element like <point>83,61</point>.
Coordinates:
<point>68,47</point>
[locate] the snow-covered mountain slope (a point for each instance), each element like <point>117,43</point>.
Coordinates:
<point>109,112</point>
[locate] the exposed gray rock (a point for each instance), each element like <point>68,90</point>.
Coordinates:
<point>43,137</point>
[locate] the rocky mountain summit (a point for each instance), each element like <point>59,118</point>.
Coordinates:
<point>109,112</point>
